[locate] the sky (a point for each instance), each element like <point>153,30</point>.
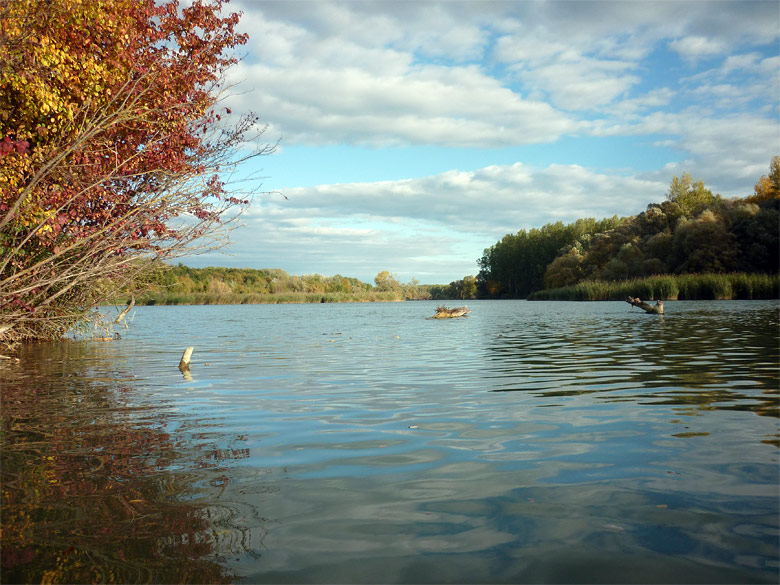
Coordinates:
<point>414,134</point>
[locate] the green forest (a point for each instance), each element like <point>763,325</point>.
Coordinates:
<point>692,232</point>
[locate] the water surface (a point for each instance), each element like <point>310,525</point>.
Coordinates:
<point>529,442</point>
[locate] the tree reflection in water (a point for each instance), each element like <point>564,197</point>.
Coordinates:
<point>92,493</point>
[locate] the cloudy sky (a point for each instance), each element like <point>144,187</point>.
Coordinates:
<point>416,134</point>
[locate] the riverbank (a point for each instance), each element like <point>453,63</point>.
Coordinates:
<point>688,287</point>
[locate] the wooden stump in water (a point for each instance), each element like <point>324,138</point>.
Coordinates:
<point>184,364</point>
<point>658,308</point>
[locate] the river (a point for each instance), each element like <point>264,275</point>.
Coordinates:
<point>530,442</point>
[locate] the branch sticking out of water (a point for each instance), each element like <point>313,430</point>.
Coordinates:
<point>658,308</point>
<point>126,310</point>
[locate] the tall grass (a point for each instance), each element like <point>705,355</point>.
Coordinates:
<point>669,287</point>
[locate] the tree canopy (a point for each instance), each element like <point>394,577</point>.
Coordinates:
<point>690,195</point>
<point>113,147</point>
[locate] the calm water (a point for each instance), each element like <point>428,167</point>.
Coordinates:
<point>526,443</point>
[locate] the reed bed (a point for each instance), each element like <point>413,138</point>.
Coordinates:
<point>687,287</point>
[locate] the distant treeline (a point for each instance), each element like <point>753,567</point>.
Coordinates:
<point>691,232</point>
<point>182,285</point>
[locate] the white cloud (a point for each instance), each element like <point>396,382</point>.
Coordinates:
<point>743,82</point>
<point>770,66</point>
<point>568,72</point>
<point>740,63</point>
<point>579,83</point>
<point>657,98</point>
<point>424,105</point>
<point>694,47</point>
<point>431,254</point>
<point>729,151</point>
<point>360,72</point>
<point>528,48</point>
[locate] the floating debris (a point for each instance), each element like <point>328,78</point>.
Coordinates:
<point>447,313</point>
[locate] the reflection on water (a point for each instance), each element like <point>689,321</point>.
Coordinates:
<point>529,442</point>
<point>93,488</point>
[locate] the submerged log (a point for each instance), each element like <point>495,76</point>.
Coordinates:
<point>658,308</point>
<point>447,313</point>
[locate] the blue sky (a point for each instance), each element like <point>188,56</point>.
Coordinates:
<point>416,134</point>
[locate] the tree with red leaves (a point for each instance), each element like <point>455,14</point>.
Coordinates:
<point>114,149</point>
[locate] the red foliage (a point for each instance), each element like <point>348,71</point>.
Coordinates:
<point>107,112</point>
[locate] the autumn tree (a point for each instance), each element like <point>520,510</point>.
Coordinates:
<point>386,282</point>
<point>768,186</point>
<point>114,149</point>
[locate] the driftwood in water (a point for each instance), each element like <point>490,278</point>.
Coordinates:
<point>445,313</point>
<point>658,308</point>
<point>184,364</point>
